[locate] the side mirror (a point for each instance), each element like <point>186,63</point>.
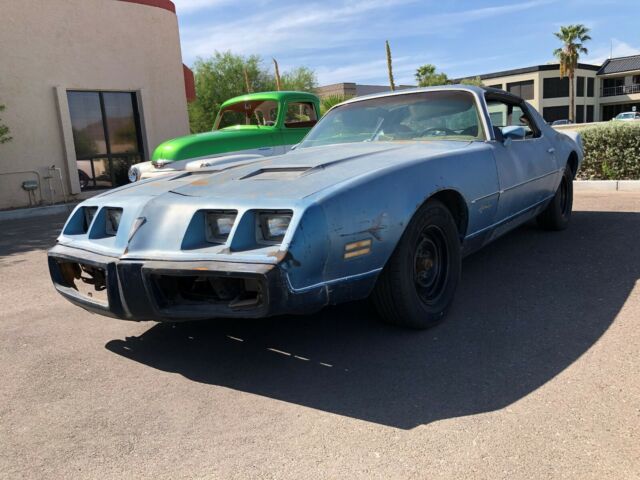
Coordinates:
<point>514,132</point>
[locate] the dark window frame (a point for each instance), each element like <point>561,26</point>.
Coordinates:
<point>555,87</point>
<point>109,155</point>
<point>546,113</point>
<point>510,103</point>
<point>304,124</point>
<point>518,86</point>
<point>591,87</point>
<point>580,91</point>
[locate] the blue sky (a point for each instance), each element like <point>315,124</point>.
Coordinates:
<point>343,40</point>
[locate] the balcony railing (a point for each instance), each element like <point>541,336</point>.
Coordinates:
<point>620,90</point>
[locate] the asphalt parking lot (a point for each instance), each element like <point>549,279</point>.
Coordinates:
<point>535,374</point>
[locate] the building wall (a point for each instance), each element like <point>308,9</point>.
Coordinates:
<point>539,102</point>
<point>49,47</point>
<point>628,98</point>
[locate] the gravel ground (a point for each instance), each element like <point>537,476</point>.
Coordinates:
<point>535,374</point>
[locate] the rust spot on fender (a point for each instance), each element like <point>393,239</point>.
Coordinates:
<point>284,257</point>
<point>377,226</point>
<point>200,182</point>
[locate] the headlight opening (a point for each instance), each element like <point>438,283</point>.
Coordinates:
<point>112,220</point>
<point>273,225</point>
<point>218,225</point>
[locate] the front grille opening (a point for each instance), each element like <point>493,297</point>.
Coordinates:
<point>89,281</point>
<point>194,290</point>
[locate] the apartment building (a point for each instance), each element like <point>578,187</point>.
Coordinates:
<point>543,88</point>
<point>601,91</point>
<point>619,86</point>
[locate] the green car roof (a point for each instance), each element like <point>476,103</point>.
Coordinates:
<point>277,96</point>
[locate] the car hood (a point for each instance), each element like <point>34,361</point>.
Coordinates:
<point>212,143</point>
<point>296,175</point>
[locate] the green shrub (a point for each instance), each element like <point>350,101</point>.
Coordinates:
<point>611,152</point>
<point>327,102</point>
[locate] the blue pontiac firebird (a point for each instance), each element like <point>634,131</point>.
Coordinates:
<point>383,198</point>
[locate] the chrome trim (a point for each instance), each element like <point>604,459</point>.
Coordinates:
<point>505,220</point>
<point>532,180</point>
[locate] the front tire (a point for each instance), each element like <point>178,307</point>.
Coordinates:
<point>558,213</point>
<point>417,285</point>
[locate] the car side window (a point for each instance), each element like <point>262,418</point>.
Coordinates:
<point>507,114</point>
<point>300,115</point>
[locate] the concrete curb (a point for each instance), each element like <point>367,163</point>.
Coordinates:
<point>606,185</point>
<point>21,213</point>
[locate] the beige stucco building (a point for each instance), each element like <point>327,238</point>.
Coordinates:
<point>602,91</point>
<point>89,86</point>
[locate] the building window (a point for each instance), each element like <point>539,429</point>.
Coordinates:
<point>612,86</point>
<point>497,85</point>
<point>579,113</point>
<point>589,113</point>
<point>522,89</point>
<point>106,136</point>
<point>551,114</point>
<point>555,87</point>
<point>300,115</point>
<point>590,87</point>
<point>580,87</point>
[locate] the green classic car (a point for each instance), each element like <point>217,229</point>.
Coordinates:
<point>257,124</point>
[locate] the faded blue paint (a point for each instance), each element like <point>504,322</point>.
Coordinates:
<point>338,194</point>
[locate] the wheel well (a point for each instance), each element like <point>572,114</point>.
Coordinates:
<point>572,163</point>
<point>457,206</point>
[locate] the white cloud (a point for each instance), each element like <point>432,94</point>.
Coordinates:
<point>617,48</point>
<point>335,37</point>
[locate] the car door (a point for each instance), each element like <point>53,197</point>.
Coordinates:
<point>299,117</point>
<point>527,167</point>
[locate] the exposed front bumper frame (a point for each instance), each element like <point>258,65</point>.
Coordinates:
<point>131,294</point>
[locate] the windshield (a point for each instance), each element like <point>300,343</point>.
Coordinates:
<point>436,115</point>
<point>254,112</point>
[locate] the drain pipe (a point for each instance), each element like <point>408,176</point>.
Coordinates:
<point>53,168</point>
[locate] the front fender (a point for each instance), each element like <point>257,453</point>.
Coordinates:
<point>376,208</point>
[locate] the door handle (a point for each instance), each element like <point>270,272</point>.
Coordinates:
<point>551,150</point>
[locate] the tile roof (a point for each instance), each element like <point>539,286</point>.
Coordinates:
<point>620,64</point>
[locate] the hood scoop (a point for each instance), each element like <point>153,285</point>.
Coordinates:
<point>284,173</point>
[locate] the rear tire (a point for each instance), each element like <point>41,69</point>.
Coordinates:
<point>558,213</point>
<point>418,284</point>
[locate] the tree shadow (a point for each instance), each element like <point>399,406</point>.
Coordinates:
<point>528,306</point>
<point>23,235</point>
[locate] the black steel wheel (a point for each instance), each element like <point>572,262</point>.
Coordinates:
<point>417,285</point>
<point>557,214</point>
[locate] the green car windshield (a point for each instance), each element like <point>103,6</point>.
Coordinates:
<point>252,112</point>
<point>434,115</point>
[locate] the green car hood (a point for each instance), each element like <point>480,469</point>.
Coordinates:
<point>213,143</point>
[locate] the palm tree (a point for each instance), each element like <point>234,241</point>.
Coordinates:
<point>573,37</point>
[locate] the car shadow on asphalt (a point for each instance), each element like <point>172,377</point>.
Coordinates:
<point>528,306</point>
<point>23,235</point>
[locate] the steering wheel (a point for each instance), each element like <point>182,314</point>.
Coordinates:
<point>445,131</point>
